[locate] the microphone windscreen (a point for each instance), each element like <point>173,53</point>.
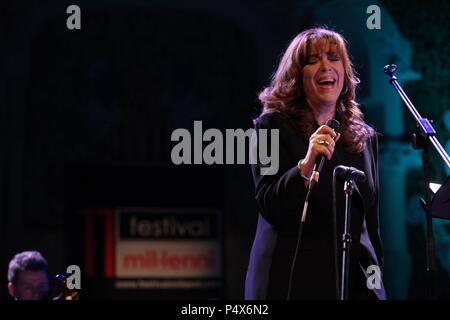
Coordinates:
<point>334,124</point>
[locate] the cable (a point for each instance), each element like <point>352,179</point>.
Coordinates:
<point>299,241</point>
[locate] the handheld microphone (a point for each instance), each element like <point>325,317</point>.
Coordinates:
<point>335,125</point>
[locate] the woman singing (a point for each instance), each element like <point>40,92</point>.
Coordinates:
<point>313,83</point>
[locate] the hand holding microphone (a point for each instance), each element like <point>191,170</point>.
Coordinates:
<point>321,145</point>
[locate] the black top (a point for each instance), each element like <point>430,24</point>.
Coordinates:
<point>280,200</point>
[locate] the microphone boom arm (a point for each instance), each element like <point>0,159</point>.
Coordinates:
<point>424,124</point>
<point>428,134</point>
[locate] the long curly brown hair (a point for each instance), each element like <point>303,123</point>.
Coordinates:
<point>286,94</point>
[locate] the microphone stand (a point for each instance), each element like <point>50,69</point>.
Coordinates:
<point>422,141</point>
<point>346,239</point>
<point>346,235</point>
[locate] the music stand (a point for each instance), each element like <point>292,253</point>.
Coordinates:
<point>440,205</point>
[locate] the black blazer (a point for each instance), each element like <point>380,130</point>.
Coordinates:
<point>280,200</point>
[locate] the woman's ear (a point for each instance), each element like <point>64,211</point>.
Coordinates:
<point>11,289</point>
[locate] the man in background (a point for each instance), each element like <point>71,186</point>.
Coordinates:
<point>27,276</point>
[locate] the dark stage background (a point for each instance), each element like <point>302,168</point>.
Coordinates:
<point>86,118</point>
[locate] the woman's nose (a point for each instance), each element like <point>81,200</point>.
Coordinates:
<point>325,64</point>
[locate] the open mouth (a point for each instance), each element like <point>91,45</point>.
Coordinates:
<point>326,83</point>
